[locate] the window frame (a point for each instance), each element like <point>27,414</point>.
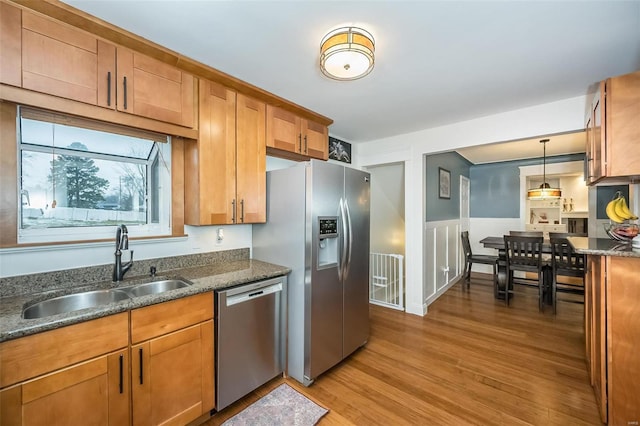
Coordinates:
<point>161,152</point>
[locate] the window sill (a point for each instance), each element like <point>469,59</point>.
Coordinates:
<point>65,245</point>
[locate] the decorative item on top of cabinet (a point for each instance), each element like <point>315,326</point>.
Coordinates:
<point>291,136</point>
<point>51,57</point>
<point>225,181</point>
<point>613,130</point>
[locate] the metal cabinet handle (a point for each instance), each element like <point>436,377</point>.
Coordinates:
<point>242,211</point>
<point>300,142</point>
<point>124,83</point>
<point>305,145</point>
<point>233,211</point>
<point>109,88</point>
<point>121,361</point>
<point>141,365</point>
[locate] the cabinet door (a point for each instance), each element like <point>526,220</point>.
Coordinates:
<point>315,140</point>
<point>251,165</point>
<point>588,316</point>
<point>10,45</point>
<point>597,169</point>
<point>95,392</point>
<point>153,89</point>
<point>623,336</point>
<point>62,61</point>
<point>599,355</point>
<point>172,376</point>
<point>211,173</point>
<point>283,130</point>
<point>622,126</point>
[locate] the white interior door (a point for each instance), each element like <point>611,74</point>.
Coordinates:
<point>464,203</point>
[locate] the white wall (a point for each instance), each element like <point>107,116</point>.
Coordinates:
<point>556,117</point>
<point>21,261</point>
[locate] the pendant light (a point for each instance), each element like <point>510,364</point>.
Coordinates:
<point>544,191</point>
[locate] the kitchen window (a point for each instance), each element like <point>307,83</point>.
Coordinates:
<point>78,178</point>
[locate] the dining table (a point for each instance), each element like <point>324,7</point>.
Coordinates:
<point>547,273</point>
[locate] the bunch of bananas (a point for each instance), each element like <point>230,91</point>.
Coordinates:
<point>618,211</point>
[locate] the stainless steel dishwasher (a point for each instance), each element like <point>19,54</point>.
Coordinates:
<point>250,337</point>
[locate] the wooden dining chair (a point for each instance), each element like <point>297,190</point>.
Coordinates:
<point>565,262</point>
<point>524,254</point>
<point>470,259</point>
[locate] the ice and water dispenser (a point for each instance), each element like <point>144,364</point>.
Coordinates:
<point>327,241</point>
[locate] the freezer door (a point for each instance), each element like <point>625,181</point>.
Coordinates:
<point>323,292</point>
<point>356,279</point>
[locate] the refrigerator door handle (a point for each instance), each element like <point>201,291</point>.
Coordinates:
<point>349,240</point>
<point>343,240</point>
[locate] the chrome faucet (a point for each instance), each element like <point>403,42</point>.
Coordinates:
<point>122,243</point>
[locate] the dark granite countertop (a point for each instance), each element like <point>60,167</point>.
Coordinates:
<point>204,278</point>
<point>603,247</point>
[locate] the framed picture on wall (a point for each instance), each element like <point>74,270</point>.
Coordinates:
<point>339,150</point>
<point>444,183</point>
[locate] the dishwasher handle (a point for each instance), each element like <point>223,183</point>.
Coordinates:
<point>254,293</point>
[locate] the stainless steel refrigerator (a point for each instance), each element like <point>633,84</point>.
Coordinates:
<point>318,225</point>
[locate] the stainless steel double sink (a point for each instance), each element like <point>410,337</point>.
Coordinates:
<point>91,299</point>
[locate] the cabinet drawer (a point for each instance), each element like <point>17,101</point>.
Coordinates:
<point>166,317</point>
<point>31,356</point>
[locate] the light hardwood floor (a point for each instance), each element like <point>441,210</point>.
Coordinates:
<point>470,360</point>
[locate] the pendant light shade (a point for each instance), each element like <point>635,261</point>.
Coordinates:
<point>347,53</point>
<point>544,191</point>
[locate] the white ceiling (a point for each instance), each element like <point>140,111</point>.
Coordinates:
<point>437,62</point>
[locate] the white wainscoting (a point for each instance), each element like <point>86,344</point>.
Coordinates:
<point>443,265</point>
<point>443,257</point>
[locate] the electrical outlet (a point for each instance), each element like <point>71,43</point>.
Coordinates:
<point>219,235</point>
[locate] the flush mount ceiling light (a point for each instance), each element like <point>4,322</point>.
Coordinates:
<point>347,53</point>
<point>544,192</point>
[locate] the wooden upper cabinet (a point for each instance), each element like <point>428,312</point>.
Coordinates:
<point>225,176</point>
<point>289,133</point>
<point>283,130</point>
<point>315,139</point>
<point>66,62</point>
<point>153,89</point>
<point>210,174</point>
<point>595,141</point>
<point>47,56</point>
<point>615,129</point>
<point>251,178</point>
<point>10,44</point>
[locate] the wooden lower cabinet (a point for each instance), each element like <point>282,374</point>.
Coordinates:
<point>88,374</point>
<point>172,361</point>
<point>173,377</point>
<point>95,392</point>
<point>69,376</point>
<point>613,322</point>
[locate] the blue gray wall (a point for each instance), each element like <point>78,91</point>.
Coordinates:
<point>495,187</point>
<point>440,208</point>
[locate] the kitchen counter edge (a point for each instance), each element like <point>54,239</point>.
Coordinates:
<point>603,247</point>
<point>204,278</point>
